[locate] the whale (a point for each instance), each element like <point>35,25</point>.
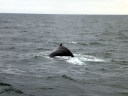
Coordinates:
<point>61,51</point>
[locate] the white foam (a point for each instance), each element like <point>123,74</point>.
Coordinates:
<point>81,59</point>
<point>76,61</point>
<point>73,42</point>
<point>90,58</point>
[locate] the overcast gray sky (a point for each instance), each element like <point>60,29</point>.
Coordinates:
<point>65,6</point>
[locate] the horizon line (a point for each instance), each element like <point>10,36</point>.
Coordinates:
<point>57,13</point>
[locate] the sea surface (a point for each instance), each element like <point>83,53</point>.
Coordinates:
<point>99,44</point>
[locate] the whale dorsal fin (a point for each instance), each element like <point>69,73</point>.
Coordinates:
<point>60,44</point>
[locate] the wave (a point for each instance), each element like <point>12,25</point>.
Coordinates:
<point>73,42</point>
<point>11,70</point>
<point>7,88</point>
<point>79,59</point>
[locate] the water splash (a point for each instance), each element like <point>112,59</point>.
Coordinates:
<point>89,58</point>
<point>81,59</point>
<point>75,61</point>
<point>73,42</point>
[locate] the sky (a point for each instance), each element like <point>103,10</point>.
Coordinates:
<point>65,6</point>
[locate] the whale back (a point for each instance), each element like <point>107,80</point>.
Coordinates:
<point>61,51</point>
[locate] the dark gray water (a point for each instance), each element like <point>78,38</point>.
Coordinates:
<point>99,43</point>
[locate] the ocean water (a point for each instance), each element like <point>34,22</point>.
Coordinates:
<point>99,44</point>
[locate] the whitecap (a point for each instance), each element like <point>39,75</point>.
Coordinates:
<point>72,42</point>
<point>81,59</point>
<point>75,61</point>
<point>78,59</point>
<point>71,60</point>
<point>89,58</point>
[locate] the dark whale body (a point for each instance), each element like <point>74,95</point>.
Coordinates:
<point>61,51</point>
